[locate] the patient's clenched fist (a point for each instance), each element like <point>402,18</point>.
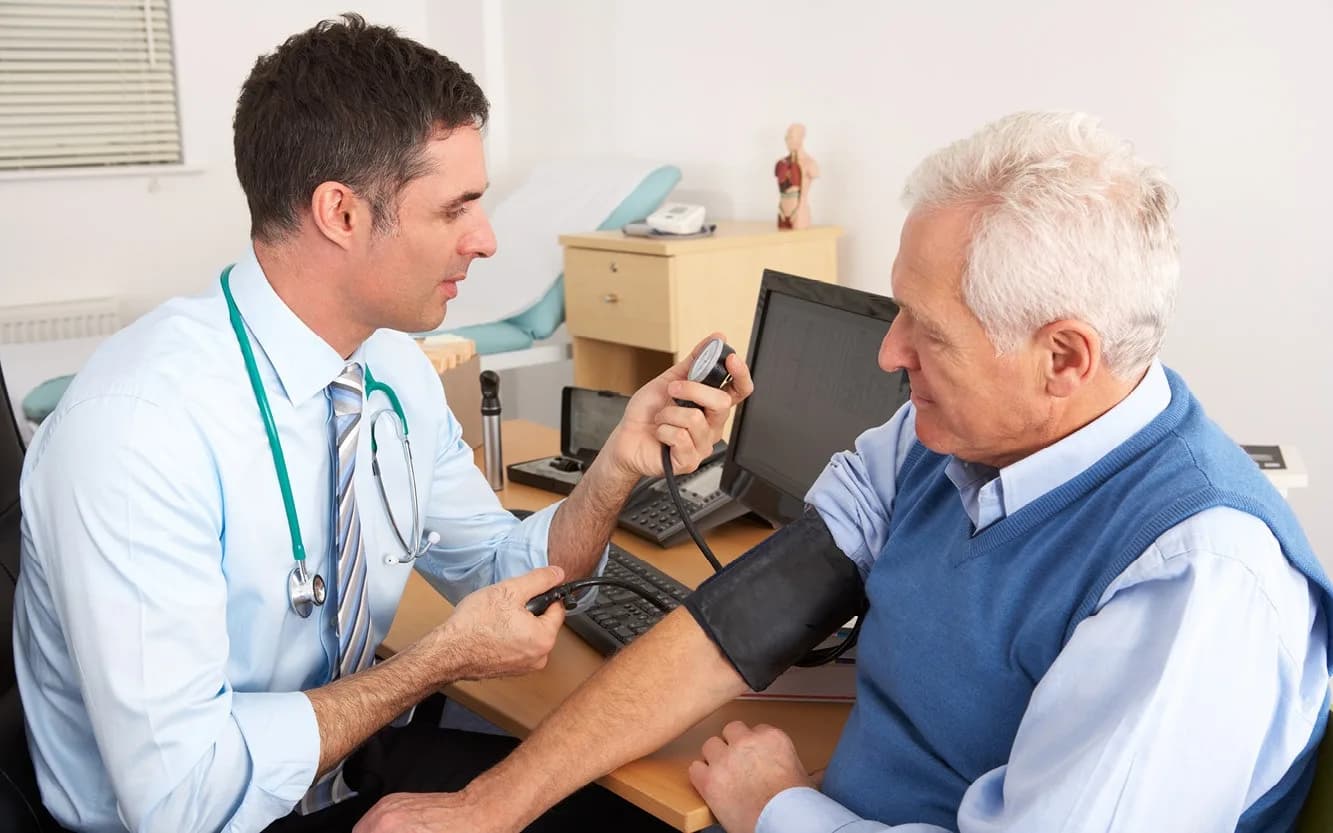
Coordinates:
<point>743,769</point>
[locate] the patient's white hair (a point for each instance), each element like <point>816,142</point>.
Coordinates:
<point>1069,224</point>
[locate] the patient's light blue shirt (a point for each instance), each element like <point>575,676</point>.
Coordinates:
<point>161,666</point>
<point>1207,637</point>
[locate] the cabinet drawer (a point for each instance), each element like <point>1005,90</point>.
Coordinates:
<point>619,297</point>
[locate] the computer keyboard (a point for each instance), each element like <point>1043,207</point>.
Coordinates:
<point>617,616</point>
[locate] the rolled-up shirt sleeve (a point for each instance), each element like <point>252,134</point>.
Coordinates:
<point>139,589</point>
<point>480,541</point>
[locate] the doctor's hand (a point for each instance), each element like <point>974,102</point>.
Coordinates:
<point>491,634</point>
<point>653,419</point>
<point>742,771</point>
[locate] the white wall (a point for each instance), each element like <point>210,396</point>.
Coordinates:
<point>1230,97</point>
<point>146,238</point>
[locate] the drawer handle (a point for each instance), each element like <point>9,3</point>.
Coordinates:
<point>610,298</point>
<point>614,267</point>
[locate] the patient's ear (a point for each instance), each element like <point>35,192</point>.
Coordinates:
<point>1071,353</point>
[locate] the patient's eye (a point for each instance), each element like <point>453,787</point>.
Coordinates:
<point>931,332</point>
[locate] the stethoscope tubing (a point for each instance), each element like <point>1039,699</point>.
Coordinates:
<point>304,590</point>
<point>411,553</point>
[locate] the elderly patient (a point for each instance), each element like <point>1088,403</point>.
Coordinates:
<point>1087,609</point>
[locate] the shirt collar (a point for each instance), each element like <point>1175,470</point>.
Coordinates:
<point>980,489</point>
<point>304,363</point>
<point>969,476</point>
<point>1039,473</point>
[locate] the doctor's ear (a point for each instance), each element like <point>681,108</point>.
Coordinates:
<point>339,213</point>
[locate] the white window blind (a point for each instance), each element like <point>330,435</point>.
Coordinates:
<point>86,83</point>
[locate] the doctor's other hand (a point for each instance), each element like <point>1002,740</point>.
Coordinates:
<point>743,769</point>
<point>653,419</point>
<point>491,633</point>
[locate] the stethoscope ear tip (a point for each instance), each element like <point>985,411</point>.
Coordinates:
<point>432,538</point>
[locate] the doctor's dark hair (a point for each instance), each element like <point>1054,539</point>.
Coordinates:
<point>348,102</point>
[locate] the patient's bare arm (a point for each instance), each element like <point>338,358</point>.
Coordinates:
<point>666,681</point>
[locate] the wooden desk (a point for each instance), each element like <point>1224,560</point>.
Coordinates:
<point>659,783</point>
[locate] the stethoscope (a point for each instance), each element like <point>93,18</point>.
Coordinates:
<point>305,591</point>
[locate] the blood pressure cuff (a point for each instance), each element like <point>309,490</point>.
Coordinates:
<point>769,607</point>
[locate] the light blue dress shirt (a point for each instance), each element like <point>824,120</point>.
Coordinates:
<point>1180,702</point>
<point>160,664</point>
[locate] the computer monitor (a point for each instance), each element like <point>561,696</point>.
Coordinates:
<point>817,386</point>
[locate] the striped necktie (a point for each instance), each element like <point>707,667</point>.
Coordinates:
<point>356,648</point>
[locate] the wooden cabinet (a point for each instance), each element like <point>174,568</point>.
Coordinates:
<point>636,305</point>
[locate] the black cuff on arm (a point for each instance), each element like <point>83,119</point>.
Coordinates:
<point>769,607</point>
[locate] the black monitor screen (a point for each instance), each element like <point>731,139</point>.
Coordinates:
<point>818,385</point>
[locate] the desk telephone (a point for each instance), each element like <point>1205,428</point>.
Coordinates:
<point>587,418</point>
<point>651,514</point>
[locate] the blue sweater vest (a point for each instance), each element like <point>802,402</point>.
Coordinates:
<point>961,628</point>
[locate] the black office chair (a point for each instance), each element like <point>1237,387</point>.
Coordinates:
<point>21,807</point>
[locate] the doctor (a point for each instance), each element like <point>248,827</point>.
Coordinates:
<point>208,564</point>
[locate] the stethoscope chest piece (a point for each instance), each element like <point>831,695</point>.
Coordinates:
<point>305,591</point>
